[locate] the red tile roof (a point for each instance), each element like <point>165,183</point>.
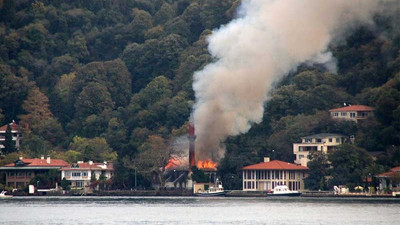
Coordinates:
<point>86,165</point>
<point>395,169</point>
<point>41,163</point>
<point>392,172</point>
<point>353,108</point>
<point>14,127</point>
<point>275,165</point>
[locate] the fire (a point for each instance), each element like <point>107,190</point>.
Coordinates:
<point>172,163</point>
<point>206,164</point>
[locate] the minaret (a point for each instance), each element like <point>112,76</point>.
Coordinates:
<point>192,138</point>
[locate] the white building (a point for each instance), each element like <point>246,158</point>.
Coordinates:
<point>324,143</point>
<point>16,134</point>
<point>266,175</point>
<point>80,174</point>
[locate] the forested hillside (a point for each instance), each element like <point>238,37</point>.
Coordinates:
<point>112,80</point>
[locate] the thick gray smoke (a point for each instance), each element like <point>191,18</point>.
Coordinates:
<point>268,40</point>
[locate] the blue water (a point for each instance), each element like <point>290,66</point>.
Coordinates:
<point>193,210</point>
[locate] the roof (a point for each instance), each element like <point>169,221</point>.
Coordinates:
<point>86,165</point>
<point>40,163</point>
<point>353,108</point>
<point>275,165</point>
<point>14,127</point>
<point>324,135</point>
<point>391,173</point>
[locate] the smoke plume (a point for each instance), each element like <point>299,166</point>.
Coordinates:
<point>269,39</point>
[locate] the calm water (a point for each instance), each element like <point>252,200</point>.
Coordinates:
<point>191,210</point>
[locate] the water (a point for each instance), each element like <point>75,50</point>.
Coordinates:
<point>192,210</point>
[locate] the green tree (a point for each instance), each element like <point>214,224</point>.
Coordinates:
<point>93,99</point>
<point>9,144</point>
<point>318,166</point>
<point>95,149</point>
<point>349,165</point>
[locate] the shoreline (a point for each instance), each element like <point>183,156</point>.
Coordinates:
<point>188,193</point>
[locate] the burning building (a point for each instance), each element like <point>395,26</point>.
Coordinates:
<point>178,172</point>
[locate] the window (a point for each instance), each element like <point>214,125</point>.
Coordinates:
<point>76,174</point>
<point>337,140</point>
<point>330,139</point>
<point>335,114</point>
<point>20,174</point>
<point>29,174</point>
<point>84,174</point>
<point>301,156</point>
<point>11,174</point>
<point>79,183</point>
<point>67,173</point>
<point>308,140</point>
<point>319,140</point>
<point>343,114</point>
<point>352,115</point>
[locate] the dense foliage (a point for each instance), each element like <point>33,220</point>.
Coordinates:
<point>109,80</point>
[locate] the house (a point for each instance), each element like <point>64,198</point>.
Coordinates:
<point>324,142</point>
<point>390,180</point>
<point>19,173</point>
<point>352,112</point>
<point>16,134</point>
<point>81,174</point>
<point>266,175</point>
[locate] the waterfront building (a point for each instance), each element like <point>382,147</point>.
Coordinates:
<point>16,134</point>
<point>19,173</point>
<point>352,112</point>
<point>82,174</point>
<point>266,175</point>
<point>390,180</point>
<point>324,143</point>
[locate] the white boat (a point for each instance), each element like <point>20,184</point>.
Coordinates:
<point>217,190</point>
<point>283,190</point>
<point>3,195</point>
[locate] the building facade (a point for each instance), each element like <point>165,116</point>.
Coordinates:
<point>16,134</point>
<point>324,143</point>
<point>390,180</point>
<point>265,176</point>
<point>81,174</point>
<point>352,112</point>
<point>19,173</point>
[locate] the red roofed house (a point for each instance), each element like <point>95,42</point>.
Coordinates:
<point>16,134</point>
<point>390,180</point>
<point>266,175</point>
<point>19,173</point>
<point>80,174</point>
<point>352,112</point>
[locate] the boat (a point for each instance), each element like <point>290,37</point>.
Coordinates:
<point>3,195</point>
<point>283,190</point>
<point>216,190</point>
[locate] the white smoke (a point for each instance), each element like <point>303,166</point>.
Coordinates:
<point>268,40</point>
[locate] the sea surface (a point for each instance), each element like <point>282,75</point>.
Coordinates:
<point>196,210</point>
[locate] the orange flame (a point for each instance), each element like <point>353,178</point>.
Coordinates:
<point>172,163</point>
<point>206,164</point>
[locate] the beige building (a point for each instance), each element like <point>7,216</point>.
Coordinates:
<point>352,112</point>
<point>265,176</point>
<point>323,142</point>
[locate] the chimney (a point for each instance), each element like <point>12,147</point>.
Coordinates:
<point>90,162</point>
<point>42,157</point>
<point>266,159</point>
<point>48,159</point>
<point>192,138</point>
